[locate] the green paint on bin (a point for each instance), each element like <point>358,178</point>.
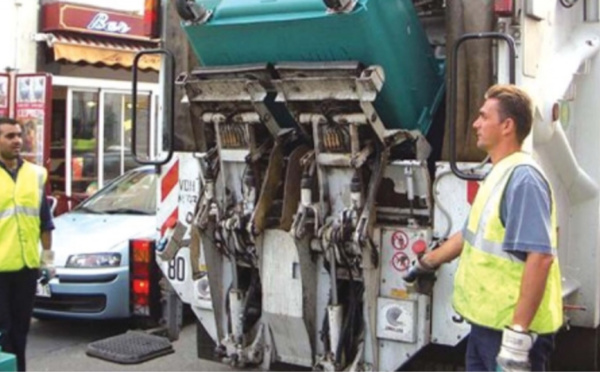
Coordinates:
<point>377,32</point>
<point>8,362</point>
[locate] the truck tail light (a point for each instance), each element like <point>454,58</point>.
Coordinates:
<point>141,287</point>
<point>504,8</point>
<point>143,278</point>
<point>141,270</point>
<point>141,302</point>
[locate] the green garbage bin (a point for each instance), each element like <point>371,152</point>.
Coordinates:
<point>8,362</point>
<point>377,32</point>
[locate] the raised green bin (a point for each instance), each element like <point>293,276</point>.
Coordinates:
<point>376,32</point>
<point>8,362</point>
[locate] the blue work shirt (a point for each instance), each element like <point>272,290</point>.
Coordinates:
<point>45,215</point>
<point>525,212</point>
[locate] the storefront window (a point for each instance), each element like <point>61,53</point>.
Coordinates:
<point>91,139</point>
<point>117,132</point>
<point>84,169</point>
<point>143,127</point>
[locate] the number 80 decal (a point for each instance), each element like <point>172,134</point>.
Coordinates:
<point>176,269</point>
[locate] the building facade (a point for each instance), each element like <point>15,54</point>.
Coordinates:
<point>67,71</point>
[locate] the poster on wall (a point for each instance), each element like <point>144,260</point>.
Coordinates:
<point>33,109</point>
<point>4,95</point>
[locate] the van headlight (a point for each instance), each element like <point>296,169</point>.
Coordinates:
<point>94,260</point>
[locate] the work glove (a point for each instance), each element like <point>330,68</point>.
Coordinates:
<point>419,269</point>
<point>47,269</point>
<point>514,351</point>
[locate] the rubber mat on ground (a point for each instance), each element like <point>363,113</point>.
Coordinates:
<point>130,348</point>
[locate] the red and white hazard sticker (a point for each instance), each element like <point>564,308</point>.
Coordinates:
<point>400,261</point>
<point>400,240</point>
<point>169,189</point>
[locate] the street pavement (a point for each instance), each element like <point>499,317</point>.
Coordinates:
<point>59,345</point>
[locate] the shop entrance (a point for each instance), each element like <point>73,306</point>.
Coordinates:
<point>91,139</point>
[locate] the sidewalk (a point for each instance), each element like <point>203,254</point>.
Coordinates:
<point>73,358</point>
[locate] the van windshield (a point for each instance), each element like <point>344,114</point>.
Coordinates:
<point>133,193</point>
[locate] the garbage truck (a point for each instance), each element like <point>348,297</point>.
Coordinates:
<point>333,146</point>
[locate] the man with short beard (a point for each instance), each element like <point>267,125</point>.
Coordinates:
<point>25,220</point>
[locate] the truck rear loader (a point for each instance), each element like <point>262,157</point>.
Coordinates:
<point>333,146</point>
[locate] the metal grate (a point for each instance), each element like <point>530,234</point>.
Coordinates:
<point>130,348</point>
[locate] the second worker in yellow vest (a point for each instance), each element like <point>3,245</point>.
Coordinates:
<point>508,283</point>
<point>25,221</point>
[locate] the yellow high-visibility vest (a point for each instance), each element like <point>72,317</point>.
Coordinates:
<point>488,280</point>
<point>20,204</point>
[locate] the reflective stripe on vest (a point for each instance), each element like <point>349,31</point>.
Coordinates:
<point>488,280</point>
<point>19,210</point>
<point>20,204</point>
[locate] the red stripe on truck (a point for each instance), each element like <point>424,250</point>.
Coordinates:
<point>170,222</point>
<point>169,181</point>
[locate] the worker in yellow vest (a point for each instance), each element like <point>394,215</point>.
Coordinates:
<point>508,283</point>
<point>25,221</point>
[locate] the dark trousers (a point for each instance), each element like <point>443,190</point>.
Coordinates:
<point>483,347</point>
<point>17,292</point>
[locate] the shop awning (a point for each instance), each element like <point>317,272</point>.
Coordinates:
<point>92,50</point>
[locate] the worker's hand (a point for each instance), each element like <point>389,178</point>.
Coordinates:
<point>47,269</point>
<point>419,269</point>
<point>514,351</point>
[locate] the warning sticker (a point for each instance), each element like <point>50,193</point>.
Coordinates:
<point>399,240</point>
<point>400,261</point>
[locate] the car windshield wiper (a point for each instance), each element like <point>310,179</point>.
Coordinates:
<point>126,211</point>
<point>88,210</point>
